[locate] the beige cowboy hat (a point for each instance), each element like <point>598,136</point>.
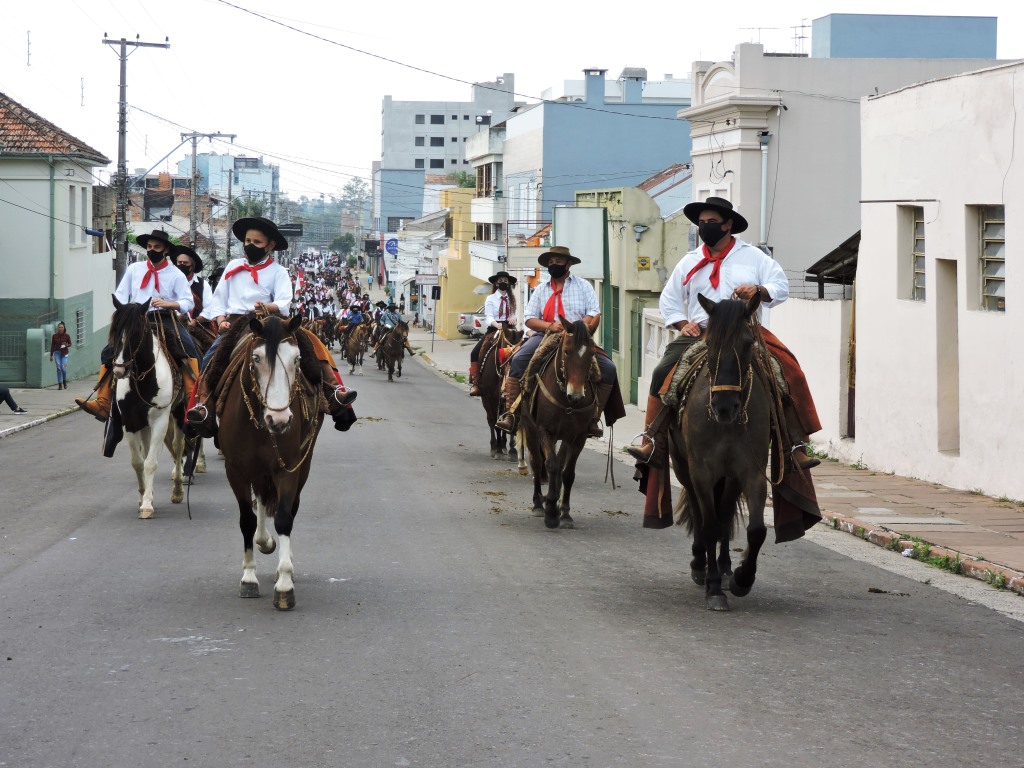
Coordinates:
<point>557,250</point>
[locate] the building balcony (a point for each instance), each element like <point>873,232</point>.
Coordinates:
<point>488,210</point>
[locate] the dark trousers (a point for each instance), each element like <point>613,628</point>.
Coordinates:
<point>474,356</point>
<point>5,395</point>
<point>674,350</point>
<point>521,359</point>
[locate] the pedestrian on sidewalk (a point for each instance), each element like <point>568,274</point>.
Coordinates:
<point>5,395</point>
<point>60,348</point>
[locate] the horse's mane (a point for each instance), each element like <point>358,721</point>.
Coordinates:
<point>128,317</point>
<point>726,324</point>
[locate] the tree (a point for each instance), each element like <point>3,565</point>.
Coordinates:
<point>355,196</point>
<point>463,179</point>
<point>344,244</point>
<point>243,207</point>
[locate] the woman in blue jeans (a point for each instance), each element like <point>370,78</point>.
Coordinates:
<point>60,348</point>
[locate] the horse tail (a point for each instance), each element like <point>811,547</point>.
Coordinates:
<point>685,512</point>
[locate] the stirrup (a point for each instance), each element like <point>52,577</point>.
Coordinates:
<point>193,412</point>
<point>512,418</point>
<point>344,396</point>
<point>634,450</point>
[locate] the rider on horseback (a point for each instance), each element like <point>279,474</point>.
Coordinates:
<point>257,283</point>
<point>722,267</point>
<point>168,292</point>
<point>499,309</point>
<point>386,323</point>
<point>575,299</point>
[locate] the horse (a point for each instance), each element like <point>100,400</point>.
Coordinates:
<point>392,349</point>
<point>268,427</point>
<point>719,446</point>
<point>491,372</point>
<point>559,409</point>
<point>355,347</point>
<point>147,387</point>
<point>203,337</point>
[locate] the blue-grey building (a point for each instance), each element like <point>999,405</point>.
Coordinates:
<point>249,176</point>
<point>605,137</point>
<point>875,36</point>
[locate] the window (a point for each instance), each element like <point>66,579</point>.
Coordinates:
<point>437,163</point>
<point>437,141</point>
<point>250,163</point>
<point>72,215</point>
<point>616,331</point>
<point>992,235</point>
<point>420,141</point>
<point>454,139</point>
<point>465,117</point>
<point>917,254</point>
<point>419,162</point>
<point>85,216</point>
<point>80,326</point>
<point>437,119</point>
<point>455,117</point>
<point>152,183</point>
<point>420,119</point>
<point>454,161</point>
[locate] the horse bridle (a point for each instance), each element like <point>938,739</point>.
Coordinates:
<point>715,387</point>
<point>261,396</point>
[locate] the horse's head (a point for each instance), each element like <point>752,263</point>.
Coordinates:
<point>578,350</point>
<point>274,366</point>
<point>128,330</point>
<point>730,343</point>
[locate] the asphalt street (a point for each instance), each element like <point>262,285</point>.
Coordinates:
<point>439,624</point>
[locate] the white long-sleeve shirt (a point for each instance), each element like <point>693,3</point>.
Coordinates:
<point>745,264</point>
<point>493,310</point>
<point>239,293</point>
<point>173,286</point>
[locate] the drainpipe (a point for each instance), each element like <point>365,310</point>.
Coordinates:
<point>53,233</point>
<point>764,137</point>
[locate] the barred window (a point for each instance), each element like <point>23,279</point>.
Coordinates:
<point>917,255</point>
<point>80,326</point>
<point>992,236</point>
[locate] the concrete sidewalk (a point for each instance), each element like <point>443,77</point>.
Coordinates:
<point>919,519</point>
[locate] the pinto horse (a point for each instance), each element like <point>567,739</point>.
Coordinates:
<point>490,373</point>
<point>147,387</point>
<point>268,427</point>
<point>719,447</point>
<point>558,413</point>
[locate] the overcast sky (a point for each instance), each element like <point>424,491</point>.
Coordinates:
<point>313,105</point>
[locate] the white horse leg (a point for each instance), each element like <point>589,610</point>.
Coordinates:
<point>250,586</point>
<point>520,439</point>
<point>135,445</point>
<point>263,539</point>
<point>284,589</point>
<point>175,442</point>
<point>151,446</point>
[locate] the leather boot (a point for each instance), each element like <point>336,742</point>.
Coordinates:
<point>474,373</point>
<point>796,440</point>
<point>99,406</point>
<point>189,376</point>
<point>200,419</point>
<point>507,422</point>
<point>338,396</point>
<point>604,391</point>
<point>651,437</point>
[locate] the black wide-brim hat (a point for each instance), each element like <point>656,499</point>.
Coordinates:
<point>557,250</point>
<point>493,279</point>
<point>197,260</point>
<point>266,226</point>
<point>380,304</point>
<point>719,205</point>
<point>156,234</point>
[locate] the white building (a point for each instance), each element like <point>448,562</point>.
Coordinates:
<point>939,316</point>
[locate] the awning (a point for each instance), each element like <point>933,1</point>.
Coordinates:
<point>839,266</point>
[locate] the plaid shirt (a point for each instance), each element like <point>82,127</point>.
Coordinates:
<point>579,299</point>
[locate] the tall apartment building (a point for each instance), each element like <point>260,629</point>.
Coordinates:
<point>250,176</point>
<point>429,137</point>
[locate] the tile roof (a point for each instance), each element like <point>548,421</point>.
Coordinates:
<point>23,132</point>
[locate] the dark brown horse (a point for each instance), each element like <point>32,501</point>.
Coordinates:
<point>492,369</point>
<point>557,418</point>
<point>392,349</point>
<point>268,427</point>
<point>719,449</point>
<point>355,347</point>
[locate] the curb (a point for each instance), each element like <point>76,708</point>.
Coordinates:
<point>970,566</point>
<point>37,422</point>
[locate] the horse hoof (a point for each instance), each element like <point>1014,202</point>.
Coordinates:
<point>551,522</point>
<point>512,456</point>
<point>537,512</point>
<point>146,514</point>
<point>248,589</point>
<point>699,577</point>
<point>524,471</point>
<point>177,497</point>
<point>738,589</point>
<point>567,522</point>
<point>494,453</point>
<point>268,549</point>
<point>284,601</point>
<point>717,603</point>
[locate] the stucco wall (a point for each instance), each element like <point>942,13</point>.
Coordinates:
<point>905,346</point>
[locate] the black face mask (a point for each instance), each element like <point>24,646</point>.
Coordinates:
<point>254,253</point>
<point>711,232</point>
<point>155,256</point>
<point>558,271</point>
<point>185,270</point>
<point>502,286</point>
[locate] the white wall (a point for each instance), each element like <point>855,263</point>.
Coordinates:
<point>25,234</point>
<point>951,142</point>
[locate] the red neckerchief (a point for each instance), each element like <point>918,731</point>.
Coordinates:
<point>554,304</point>
<point>250,269</point>
<point>153,272</point>
<point>709,259</point>
<point>503,308</point>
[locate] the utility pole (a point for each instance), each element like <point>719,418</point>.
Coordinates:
<point>193,215</point>
<point>121,189</point>
<point>231,175</point>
